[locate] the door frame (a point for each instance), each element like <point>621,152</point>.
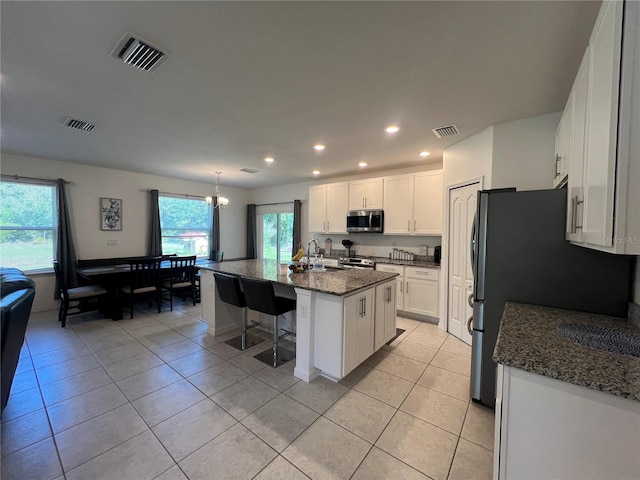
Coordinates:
<point>444,262</point>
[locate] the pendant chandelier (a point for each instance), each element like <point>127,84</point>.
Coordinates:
<point>220,200</point>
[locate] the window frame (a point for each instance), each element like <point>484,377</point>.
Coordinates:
<point>209,234</point>
<point>53,186</point>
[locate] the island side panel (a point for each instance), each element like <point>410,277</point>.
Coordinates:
<point>329,335</point>
<point>305,331</point>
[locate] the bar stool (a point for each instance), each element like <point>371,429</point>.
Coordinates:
<point>230,292</point>
<point>260,297</point>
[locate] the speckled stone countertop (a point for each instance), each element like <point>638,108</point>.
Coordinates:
<point>332,282</point>
<point>528,340</point>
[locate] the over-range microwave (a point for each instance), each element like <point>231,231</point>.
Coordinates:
<point>371,221</point>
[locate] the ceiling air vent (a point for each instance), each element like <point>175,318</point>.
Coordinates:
<point>79,124</point>
<point>446,131</point>
<point>138,53</point>
<point>248,170</point>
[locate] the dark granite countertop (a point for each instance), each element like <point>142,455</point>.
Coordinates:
<point>408,263</point>
<point>528,340</point>
<point>332,282</point>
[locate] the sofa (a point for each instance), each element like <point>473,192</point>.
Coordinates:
<point>16,299</point>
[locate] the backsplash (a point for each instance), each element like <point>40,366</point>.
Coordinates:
<point>634,314</point>
<point>378,245</point>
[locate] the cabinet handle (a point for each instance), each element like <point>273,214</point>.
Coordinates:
<point>324,226</point>
<point>327,225</point>
<point>364,202</point>
<point>414,226</point>
<point>364,306</point>
<point>401,286</point>
<point>408,225</point>
<point>556,173</point>
<point>578,203</point>
<point>407,287</point>
<point>574,213</point>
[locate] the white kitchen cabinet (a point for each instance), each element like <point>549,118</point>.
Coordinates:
<point>417,288</point>
<point>421,291</point>
<point>358,329</point>
<point>328,208</point>
<point>604,180</point>
<point>385,314</point>
<point>399,290</point>
<point>561,164</point>
<point>413,204</point>
<point>365,194</point>
<point>427,203</point>
<point>549,429</point>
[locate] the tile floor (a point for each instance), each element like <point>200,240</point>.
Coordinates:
<point>157,398</point>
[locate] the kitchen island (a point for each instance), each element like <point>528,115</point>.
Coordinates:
<point>565,409</point>
<point>341,317</point>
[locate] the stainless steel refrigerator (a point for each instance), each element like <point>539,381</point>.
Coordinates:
<point>519,253</point>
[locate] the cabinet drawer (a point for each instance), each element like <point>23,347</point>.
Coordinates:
<point>382,267</point>
<point>423,273</point>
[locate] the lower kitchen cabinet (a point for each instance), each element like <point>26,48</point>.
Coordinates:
<point>344,331</point>
<point>421,287</point>
<point>385,315</point>
<point>399,291</point>
<point>549,429</point>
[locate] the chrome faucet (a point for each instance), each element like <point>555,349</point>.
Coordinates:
<point>315,242</point>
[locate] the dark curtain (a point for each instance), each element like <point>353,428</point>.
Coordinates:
<point>252,243</point>
<point>297,226</point>
<point>155,232</point>
<point>65,249</point>
<point>214,244</point>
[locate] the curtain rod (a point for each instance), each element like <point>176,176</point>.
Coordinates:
<point>35,179</point>
<point>276,203</point>
<point>186,195</point>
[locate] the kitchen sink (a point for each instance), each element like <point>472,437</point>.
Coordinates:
<point>610,339</point>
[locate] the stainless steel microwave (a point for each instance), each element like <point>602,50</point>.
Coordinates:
<point>371,221</point>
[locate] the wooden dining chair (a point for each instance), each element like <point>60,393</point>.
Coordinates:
<point>79,299</point>
<point>144,281</point>
<point>181,278</point>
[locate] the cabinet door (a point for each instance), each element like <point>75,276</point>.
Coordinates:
<point>602,124</point>
<point>357,195</point>
<point>427,206</point>
<point>390,314</point>
<point>578,105</point>
<point>562,145</point>
<point>398,202</point>
<point>373,193</point>
<point>317,208</point>
<point>337,200</point>
<point>399,287</point>
<point>421,297</point>
<point>358,329</point>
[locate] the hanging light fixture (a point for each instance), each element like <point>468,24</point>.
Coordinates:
<point>221,201</point>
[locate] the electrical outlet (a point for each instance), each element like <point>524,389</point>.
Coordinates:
<point>112,242</point>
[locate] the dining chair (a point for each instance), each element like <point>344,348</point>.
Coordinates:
<point>181,277</point>
<point>83,299</point>
<point>144,281</point>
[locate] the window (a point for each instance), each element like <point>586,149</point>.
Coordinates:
<point>185,225</point>
<point>275,231</point>
<point>27,225</point>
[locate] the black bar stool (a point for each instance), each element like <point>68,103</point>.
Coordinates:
<point>260,297</point>
<point>230,292</point>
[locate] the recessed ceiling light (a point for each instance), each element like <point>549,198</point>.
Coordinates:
<point>316,172</point>
<point>362,164</point>
<point>424,154</point>
<point>319,147</point>
<point>268,159</point>
<point>392,129</point>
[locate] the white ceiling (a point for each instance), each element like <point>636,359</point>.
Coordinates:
<point>246,80</point>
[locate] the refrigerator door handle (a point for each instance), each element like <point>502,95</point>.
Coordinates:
<point>473,245</point>
<point>469,328</point>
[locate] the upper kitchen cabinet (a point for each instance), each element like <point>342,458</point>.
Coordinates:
<point>561,164</point>
<point>328,208</point>
<point>365,194</point>
<point>604,157</point>
<point>413,204</point>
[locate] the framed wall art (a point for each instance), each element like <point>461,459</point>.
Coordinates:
<point>110,214</point>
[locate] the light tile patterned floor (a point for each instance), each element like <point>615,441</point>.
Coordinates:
<point>156,397</point>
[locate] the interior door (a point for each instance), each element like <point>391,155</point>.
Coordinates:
<point>462,207</point>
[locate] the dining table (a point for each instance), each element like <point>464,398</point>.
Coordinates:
<point>115,276</point>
